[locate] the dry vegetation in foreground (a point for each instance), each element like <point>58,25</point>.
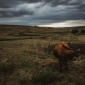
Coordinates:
<point>26,56</point>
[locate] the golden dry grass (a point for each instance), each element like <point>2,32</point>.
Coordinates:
<point>26,51</point>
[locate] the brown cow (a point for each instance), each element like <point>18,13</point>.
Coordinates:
<point>64,53</point>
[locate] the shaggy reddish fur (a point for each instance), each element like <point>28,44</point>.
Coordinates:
<point>63,53</point>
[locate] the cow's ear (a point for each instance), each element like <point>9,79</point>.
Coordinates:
<point>71,48</point>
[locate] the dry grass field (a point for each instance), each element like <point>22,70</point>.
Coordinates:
<point>26,56</point>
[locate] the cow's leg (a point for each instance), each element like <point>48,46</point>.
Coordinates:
<point>60,64</point>
<point>64,64</point>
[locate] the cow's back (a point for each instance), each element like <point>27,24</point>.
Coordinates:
<point>61,49</point>
<point>63,52</point>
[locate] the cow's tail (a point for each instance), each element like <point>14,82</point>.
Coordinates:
<point>55,54</point>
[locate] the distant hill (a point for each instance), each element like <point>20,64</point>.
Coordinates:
<point>77,27</point>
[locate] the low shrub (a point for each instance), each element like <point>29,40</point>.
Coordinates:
<point>75,31</point>
<point>82,31</point>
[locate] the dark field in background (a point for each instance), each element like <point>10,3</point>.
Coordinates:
<point>26,56</point>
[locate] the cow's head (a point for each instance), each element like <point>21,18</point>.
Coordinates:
<point>76,53</point>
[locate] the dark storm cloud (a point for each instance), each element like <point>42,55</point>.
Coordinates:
<point>32,1</point>
<point>19,13</point>
<point>12,3</point>
<point>64,2</point>
<point>79,4</point>
<point>6,7</point>
<point>9,3</point>
<point>61,17</point>
<point>42,11</point>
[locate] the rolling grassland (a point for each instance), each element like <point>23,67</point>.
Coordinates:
<point>26,56</point>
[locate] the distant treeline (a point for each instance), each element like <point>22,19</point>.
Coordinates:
<point>82,31</point>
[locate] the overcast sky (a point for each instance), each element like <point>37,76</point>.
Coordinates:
<point>51,13</point>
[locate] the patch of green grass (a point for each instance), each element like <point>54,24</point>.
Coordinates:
<point>28,64</point>
<point>79,82</point>
<point>45,77</point>
<point>7,68</point>
<point>24,81</point>
<point>70,78</point>
<point>64,83</point>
